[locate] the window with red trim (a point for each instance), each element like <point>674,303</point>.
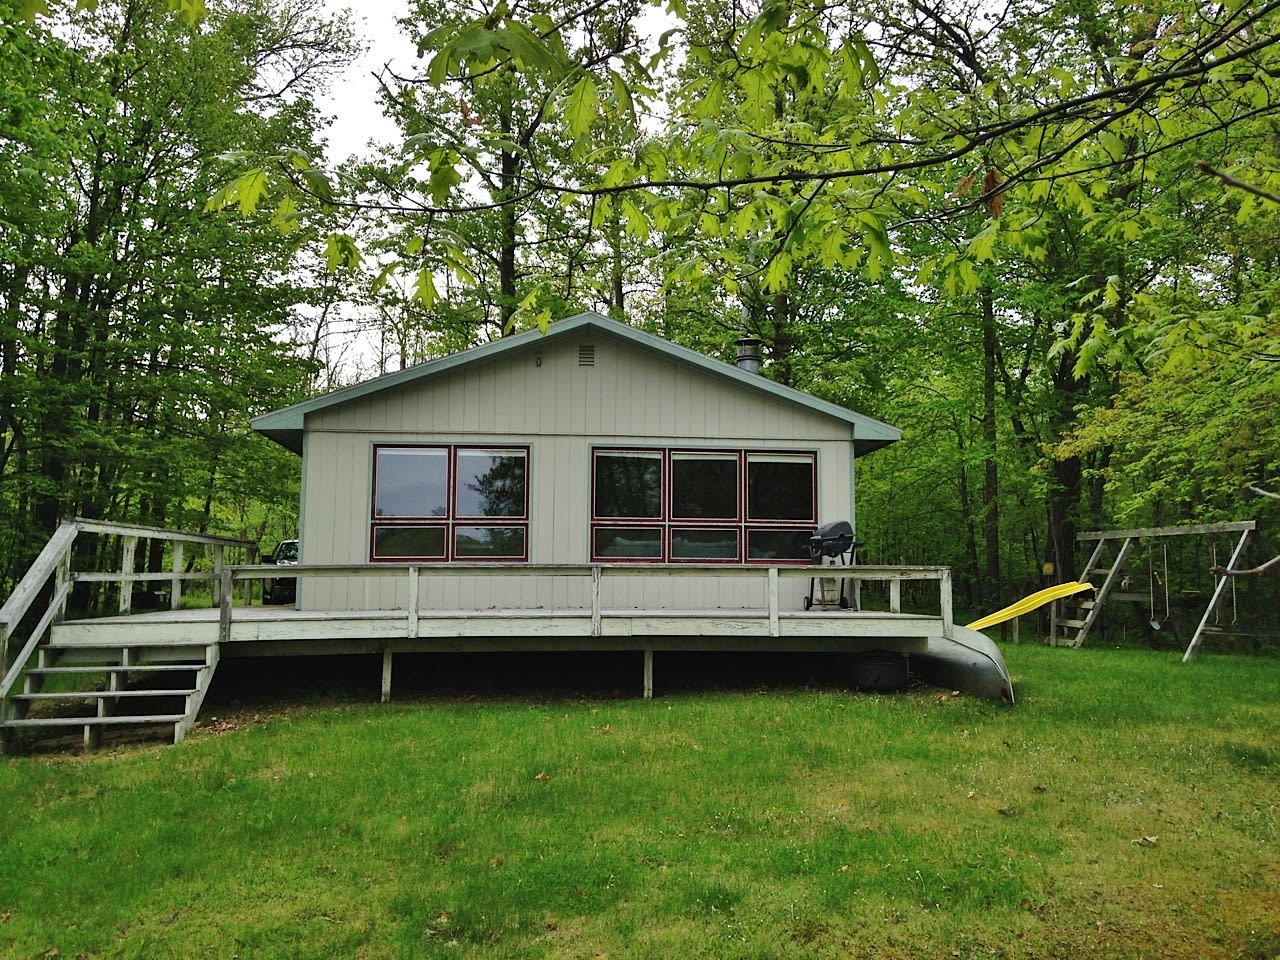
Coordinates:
<point>443,502</point>
<point>702,506</point>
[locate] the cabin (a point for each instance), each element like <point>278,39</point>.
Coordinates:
<point>592,443</point>
<point>590,488</point>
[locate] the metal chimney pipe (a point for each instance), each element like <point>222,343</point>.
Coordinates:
<point>749,354</point>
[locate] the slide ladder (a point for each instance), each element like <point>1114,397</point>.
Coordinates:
<point>1079,615</point>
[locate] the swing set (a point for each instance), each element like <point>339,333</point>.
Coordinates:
<point>1105,569</point>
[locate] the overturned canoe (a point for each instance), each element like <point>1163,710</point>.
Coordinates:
<point>968,662</point>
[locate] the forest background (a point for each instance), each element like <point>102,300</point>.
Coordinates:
<point>1040,237</point>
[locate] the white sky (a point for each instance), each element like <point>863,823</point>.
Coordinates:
<point>353,99</point>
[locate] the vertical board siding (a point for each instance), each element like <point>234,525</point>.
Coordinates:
<point>560,410</point>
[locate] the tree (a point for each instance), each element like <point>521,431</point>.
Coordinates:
<point>126,304</point>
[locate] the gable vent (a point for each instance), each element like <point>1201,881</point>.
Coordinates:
<point>587,355</point>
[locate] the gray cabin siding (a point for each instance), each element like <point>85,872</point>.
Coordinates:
<point>560,410</point>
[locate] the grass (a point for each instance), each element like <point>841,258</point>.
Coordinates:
<point>1126,807</point>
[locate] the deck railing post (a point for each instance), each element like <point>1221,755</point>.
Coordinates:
<point>413,602</point>
<point>61,580</point>
<point>218,564</point>
<point>774,629</point>
<point>895,595</point>
<point>944,593</point>
<point>595,599</point>
<point>225,597</point>
<point>175,590</point>
<point>128,550</point>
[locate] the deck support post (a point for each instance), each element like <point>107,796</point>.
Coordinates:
<point>386,675</point>
<point>895,596</point>
<point>648,673</point>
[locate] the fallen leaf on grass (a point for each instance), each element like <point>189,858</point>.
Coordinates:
<point>1145,841</point>
<point>542,777</point>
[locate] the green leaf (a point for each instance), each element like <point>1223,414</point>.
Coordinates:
<point>581,107</point>
<point>778,275</point>
<point>246,190</point>
<point>317,181</point>
<point>983,245</point>
<point>637,222</point>
<point>192,11</point>
<point>340,251</point>
<point>286,218</point>
<point>444,176</point>
<point>384,275</point>
<point>424,289</point>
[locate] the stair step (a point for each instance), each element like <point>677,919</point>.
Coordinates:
<point>93,721</point>
<point>97,694</point>
<point>1073,624</point>
<point>117,668</point>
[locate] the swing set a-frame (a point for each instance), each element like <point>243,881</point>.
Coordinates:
<point>1104,570</point>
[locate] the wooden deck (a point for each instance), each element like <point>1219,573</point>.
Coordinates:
<point>267,632</point>
<point>125,658</point>
<point>259,631</point>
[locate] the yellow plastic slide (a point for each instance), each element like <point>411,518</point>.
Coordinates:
<point>1027,604</point>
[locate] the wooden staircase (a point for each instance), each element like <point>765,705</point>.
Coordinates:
<point>1080,611</point>
<point>105,688</point>
<point>108,687</point>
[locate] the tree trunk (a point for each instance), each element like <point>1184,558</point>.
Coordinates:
<point>991,475</point>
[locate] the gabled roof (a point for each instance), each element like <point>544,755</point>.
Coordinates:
<point>286,426</point>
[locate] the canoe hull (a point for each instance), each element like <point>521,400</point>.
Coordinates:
<point>969,662</point>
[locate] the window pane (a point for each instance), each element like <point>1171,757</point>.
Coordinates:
<point>488,542</point>
<point>411,482</point>
<point>779,487</point>
<point>720,544</point>
<point>629,543</point>
<point>408,543</point>
<point>490,483</point>
<point>778,544</point>
<point>704,486</point>
<point>628,484</point>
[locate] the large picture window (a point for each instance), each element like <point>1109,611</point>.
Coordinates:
<point>702,506</point>
<point>450,503</point>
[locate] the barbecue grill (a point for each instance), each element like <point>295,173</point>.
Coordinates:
<point>831,543</point>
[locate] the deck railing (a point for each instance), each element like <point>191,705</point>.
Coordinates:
<point>54,562</point>
<point>770,577</point>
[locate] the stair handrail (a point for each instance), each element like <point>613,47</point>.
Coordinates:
<point>53,556</point>
<point>56,556</point>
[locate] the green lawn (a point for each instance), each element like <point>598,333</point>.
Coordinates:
<point>1126,807</point>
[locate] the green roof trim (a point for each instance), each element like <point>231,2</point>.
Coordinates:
<point>286,426</point>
